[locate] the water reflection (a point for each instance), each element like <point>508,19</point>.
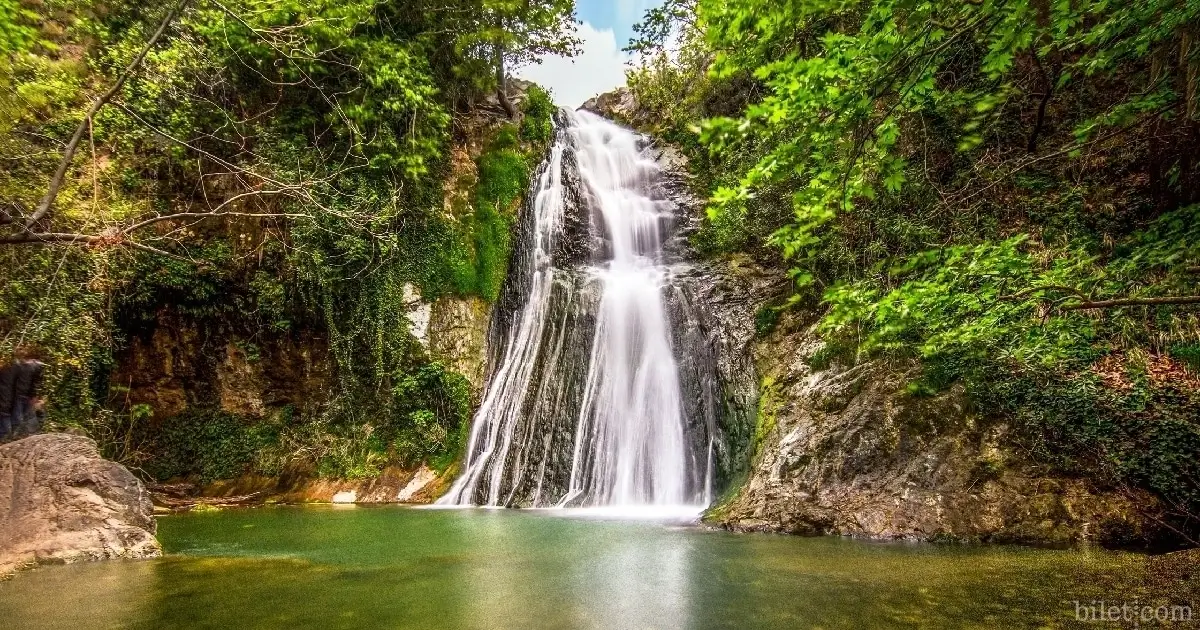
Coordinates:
<point>395,568</point>
<point>538,570</point>
<point>90,595</point>
<point>638,583</point>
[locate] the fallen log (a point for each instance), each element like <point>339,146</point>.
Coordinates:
<point>183,504</point>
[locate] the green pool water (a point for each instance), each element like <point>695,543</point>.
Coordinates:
<point>394,567</point>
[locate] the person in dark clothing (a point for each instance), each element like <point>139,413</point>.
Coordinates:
<point>8,400</point>
<point>27,385</point>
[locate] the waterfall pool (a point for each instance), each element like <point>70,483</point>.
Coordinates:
<point>398,567</point>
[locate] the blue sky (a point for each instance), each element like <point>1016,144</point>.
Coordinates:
<point>606,28</point>
<point>619,16</point>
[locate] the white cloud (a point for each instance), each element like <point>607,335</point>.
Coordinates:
<point>630,11</point>
<point>598,68</point>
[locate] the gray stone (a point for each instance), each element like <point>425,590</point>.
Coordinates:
<point>61,502</point>
<point>458,329</point>
<point>846,450</point>
<point>619,105</point>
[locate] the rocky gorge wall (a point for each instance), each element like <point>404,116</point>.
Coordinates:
<point>805,444</point>
<point>847,450</point>
<point>184,358</point>
<point>816,446</point>
<point>182,363</point>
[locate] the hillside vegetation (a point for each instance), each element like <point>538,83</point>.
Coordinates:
<point>1005,191</point>
<point>266,171</point>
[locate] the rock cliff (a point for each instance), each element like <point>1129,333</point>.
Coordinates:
<point>843,448</point>
<point>61,502</point>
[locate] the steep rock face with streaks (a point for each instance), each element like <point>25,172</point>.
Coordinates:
<point>285,382</point>
<point>847,450</point>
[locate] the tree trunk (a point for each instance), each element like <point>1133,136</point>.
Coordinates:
<point>502,85</point>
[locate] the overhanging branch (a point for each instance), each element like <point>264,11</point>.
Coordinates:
<point>1086,302</point>
<point>56,182</point>
<point>1119,303</point>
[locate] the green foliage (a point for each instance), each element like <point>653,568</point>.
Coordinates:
<point>432,417</point>
<point>767,417</point>
<point>537,125</point>
<point>1146,435</point>
<point>508,33</point>
<point>205,444</point>
<point>952,181</point>
<point>1188,353</point>
<point>963,309</point>
<point>55,300</point>
<point>843,79</point>
<point>503,177</point>
<point>337,112</point>
<point>423,418</point>
<point>356,453</point>
<point>833,351</point>
<point>765,319</point>
<point>387,108</point>
<point>16,30</point>
<point>201,292</point>
<point>271,301</point>
<point>476,257</point>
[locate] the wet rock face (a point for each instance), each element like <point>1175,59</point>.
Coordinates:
<point>712,357</point>
<point>846,450</point>
<point>712,314</point>
<point>65,503</point>
<point>716,374</point>
<point>546,432</point>
<point>581,236</point>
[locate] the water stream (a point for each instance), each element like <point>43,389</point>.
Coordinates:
<point>584,406</point>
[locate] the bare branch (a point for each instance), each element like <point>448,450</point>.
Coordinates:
<point>154,250</point>
<point>69,152</point>
<point>1046,287</point>
<point>204,215</point>
<point>50,237</point>
<point>1087,303</point>
<point>1120,303</point>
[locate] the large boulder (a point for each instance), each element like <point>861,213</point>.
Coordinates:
<point>60,501</point>
<point>619,105</point>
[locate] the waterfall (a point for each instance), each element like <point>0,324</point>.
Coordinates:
<point>584,404</point>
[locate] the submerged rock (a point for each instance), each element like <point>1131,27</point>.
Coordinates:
<point>64,503</point>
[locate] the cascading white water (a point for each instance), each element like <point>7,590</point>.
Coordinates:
<point>628,431</point>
